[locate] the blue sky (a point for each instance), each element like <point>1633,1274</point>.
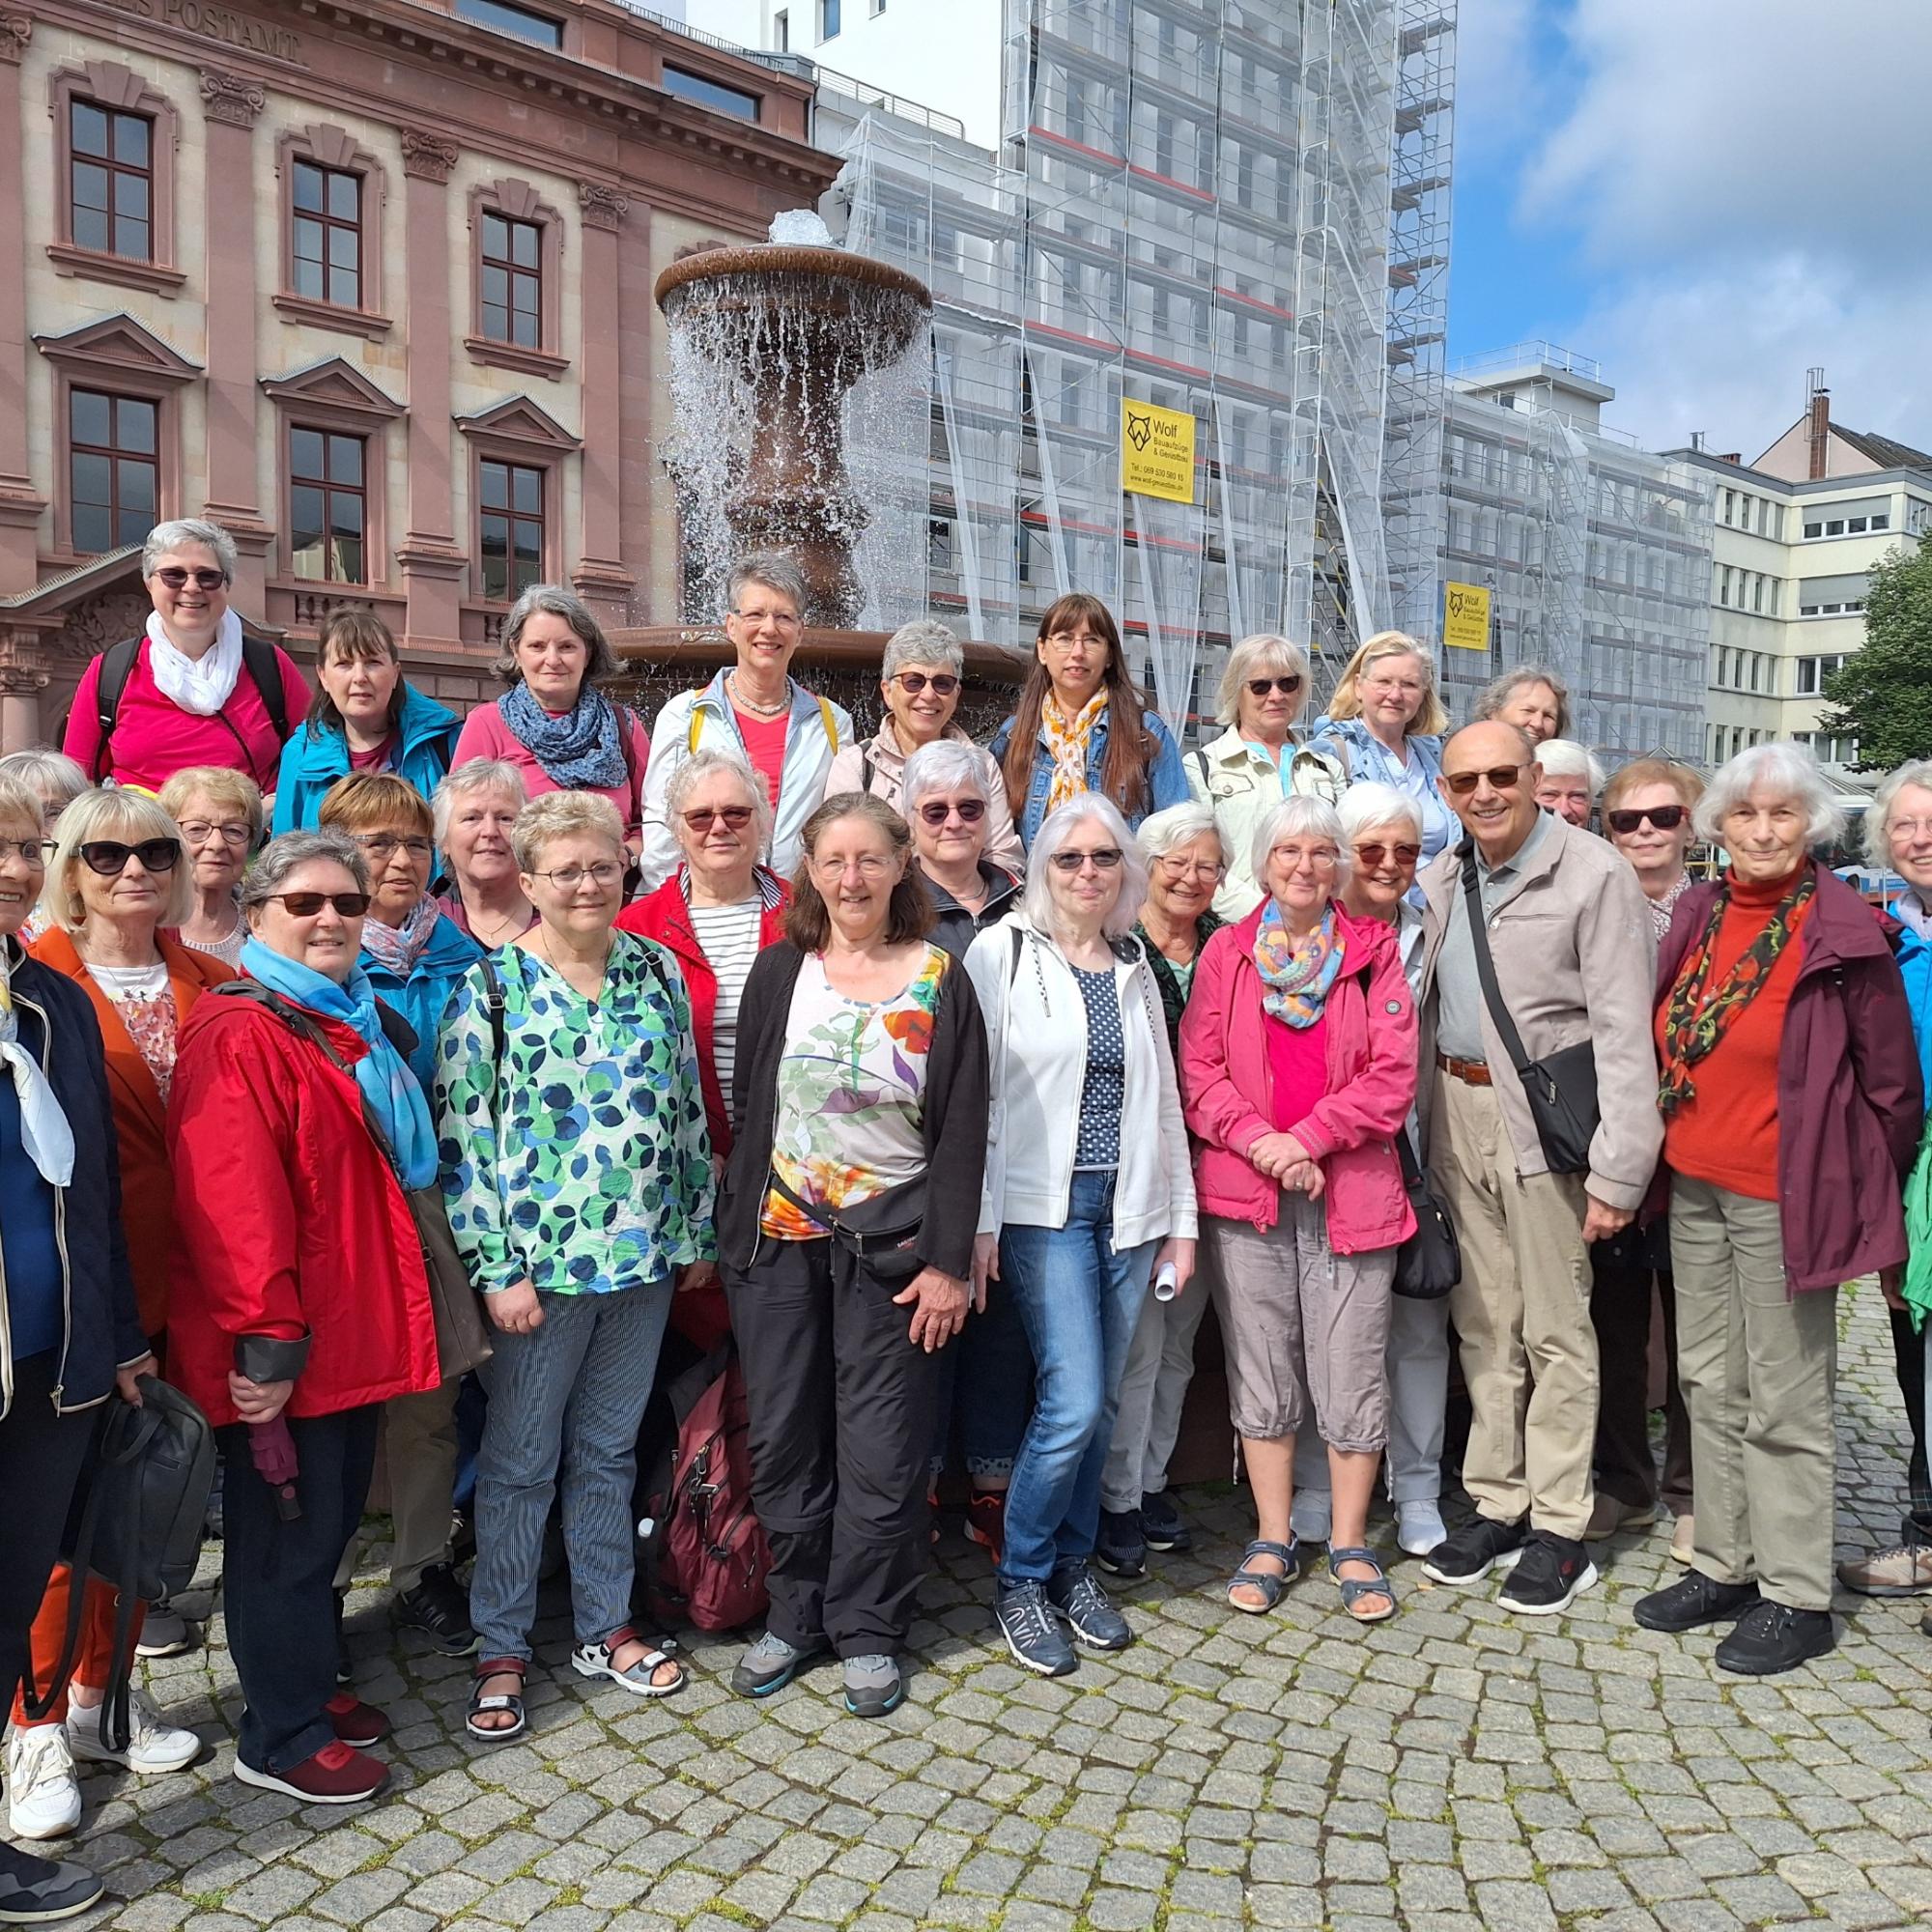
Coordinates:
<point>1709,196</point>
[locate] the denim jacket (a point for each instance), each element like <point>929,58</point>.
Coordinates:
<point>1167,780</point>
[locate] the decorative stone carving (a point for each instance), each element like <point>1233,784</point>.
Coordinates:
<point>230,98</point>
<point>425,157</point>
<point>603,207</point>
<point>16,31</point>
<point>104,620</point>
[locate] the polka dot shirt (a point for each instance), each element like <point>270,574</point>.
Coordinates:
<point>1104,1087</point>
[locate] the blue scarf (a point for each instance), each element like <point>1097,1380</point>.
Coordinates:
<point>382,1075</point>
<point>582,751</point>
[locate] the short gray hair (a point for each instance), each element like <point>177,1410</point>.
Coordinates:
<point>1495,694</point>
<point>768,570</point>
<point>1371,804</point>
<point>1299,816</point>
<point>554,601</point>
<point>119,813</point>
<point>47,775</point>
<point>1037,895</point>
<point>177,534</point>
<point>557,814</point>
<point>1564,757</point>
<point>1264,651</point>
<point>1878,813</point>
<point>944,765</point>
<point>1786,770</point>
<point>926,641</point>
<point>1162,831</point>
<point>474,775</point>
<point>709,762</point>
<point>283,856</point>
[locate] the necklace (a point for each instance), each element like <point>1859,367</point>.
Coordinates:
<point>751,704</point>
<point>550,960</point>
<point>502,927</point>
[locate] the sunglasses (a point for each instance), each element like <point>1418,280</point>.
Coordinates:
<point>305,905</point>
<point>1665,817</point>
<point>701,819</point>
<point>109,857</point>
<point>1104,860</point>
<point>1259,687</point>
<point>1374,855</point>
<point>1504,778</point>
<point>176,579</point>
<point>937,810</point>
<point>943,682</point>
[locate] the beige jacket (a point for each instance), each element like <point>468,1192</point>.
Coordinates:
<point>1242,783</point>
<point>888,773</point>
<point>1575,958</point>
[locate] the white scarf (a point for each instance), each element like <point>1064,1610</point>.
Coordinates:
<point>201,685</point>
<point>45,1132</point>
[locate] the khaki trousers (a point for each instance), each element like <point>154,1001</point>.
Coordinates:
<point>418,1435</point>
<point>1522,1312</point>
<point>1759,1366</point>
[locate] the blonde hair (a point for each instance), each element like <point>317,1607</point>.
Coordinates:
<point>1431,720</point>
<point>1264,652</point>
<point>558,814</point>
<point>373,802</point>
<point>233,790</point>
<point>129,816</point>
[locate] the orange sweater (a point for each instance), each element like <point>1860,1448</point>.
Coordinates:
<point>1727,1134</point>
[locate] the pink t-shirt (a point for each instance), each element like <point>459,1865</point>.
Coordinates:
<point>1299,1065</point>
<point>765,747</point>
<point>485,735</point>
<point>377,758</point>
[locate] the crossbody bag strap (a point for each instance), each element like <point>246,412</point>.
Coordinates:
<point>1486,970</point>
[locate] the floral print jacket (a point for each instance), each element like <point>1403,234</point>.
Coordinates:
<point>581,1160</point>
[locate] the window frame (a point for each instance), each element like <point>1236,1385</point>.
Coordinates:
<point>294,425</point>
<point>116,457</point>
<point>321,144</point>
<point>520,431</point>
<point>119,89</point>
<point>516,200</point>
<point>546,475</point>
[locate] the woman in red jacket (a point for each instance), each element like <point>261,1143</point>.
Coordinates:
<point>303,1298</point>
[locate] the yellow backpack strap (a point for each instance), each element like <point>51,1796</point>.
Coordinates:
<point>830,722</point>
<point>691,736</point>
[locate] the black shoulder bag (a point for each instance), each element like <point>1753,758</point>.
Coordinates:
<point>1429,1262</point>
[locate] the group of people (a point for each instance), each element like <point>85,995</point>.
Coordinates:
<point>953,1082</point>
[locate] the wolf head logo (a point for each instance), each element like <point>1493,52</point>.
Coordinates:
<point>1140,429</point>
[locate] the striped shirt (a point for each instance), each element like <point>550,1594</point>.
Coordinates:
<point>728,936</point>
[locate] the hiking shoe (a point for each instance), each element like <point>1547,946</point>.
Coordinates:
<point>1118,1546</point>
<point>1161,1526</point>
<point>1419,1528</point>
<point>36,1892</point>
<point>1552,1572</point>
<point>770,1664</point>
<point>1609,1517</point>
<point>1033,1635</point>
<point>874,1685</point>
<point>164,1631</point>
<point>336,1775</point>
<point>1771,1638</point>
<point>987,1522</point>
<point>1903,1570</point>
<point>1075,1596</point>
<point>43,1794</point>
<point>153,1744</point>
<point>1480,1545</point>
<point>439,1608</point>
<point>355,1723</point>
<point>1693,1601</point>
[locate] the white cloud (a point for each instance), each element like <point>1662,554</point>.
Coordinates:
<point>1500,86</point>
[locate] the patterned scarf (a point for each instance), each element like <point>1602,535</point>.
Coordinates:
<point>1698,1017</point>
<point>1297,973</point>
<point>1069,745</point>
<point>396,948</point>
<point>582,751</point>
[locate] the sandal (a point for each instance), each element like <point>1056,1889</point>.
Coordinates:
<point>1264,1580</point>
<point>597,1659</point>
<point>1354,1588</point>
<point>481,1706</point>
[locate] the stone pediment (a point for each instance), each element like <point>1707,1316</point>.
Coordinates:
<point>517,420</point>
<point>119,342</point>
<point>333,383</point>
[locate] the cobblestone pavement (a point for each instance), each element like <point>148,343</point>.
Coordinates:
<point>1452,1768</point>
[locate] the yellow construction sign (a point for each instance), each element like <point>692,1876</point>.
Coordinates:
<point>1156,451</point>
<point>1465,616</point>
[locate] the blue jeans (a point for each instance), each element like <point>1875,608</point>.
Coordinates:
<point>985,1378</point>
<point>1078,1301</point>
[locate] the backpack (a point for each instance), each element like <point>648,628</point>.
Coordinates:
<point>117,665</point>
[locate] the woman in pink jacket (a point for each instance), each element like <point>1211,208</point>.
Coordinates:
<point>1297,1067</point>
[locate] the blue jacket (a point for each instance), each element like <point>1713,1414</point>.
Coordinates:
<point>1913,953</point>
<point>421,998</point>
<point>1349,740</point>
<point>1167,778</point>
<point>103,1330</point>
<point>314,758</point>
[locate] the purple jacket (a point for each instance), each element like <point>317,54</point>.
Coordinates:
<point>1850,1102</point>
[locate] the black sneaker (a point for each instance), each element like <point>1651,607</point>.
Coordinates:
<point>1119,1547</point>
<point>439,1608</point>
<point>1548,1577</point>
<point>37,1891</point>
<point>1693,1601</point>
<point>1077,1599</point>
<point>1161,1524</point>
<point>1033,1635</point>
<point>1480,1545</point>
<point>1771,1638</point>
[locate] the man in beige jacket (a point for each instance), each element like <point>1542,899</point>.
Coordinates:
<point>1574,958</point>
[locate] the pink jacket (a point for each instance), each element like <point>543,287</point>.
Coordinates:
<point>1226,1088</point>
<point>485,735</point>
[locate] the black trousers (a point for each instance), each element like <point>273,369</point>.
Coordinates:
<point>1908,1352</point>
<point>40,1459</point>
<point>842,1407</point>
<point>278,1581</point>
<point>1620,1301</point>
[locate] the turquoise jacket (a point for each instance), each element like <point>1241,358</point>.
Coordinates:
<point>314,758</point>
<point>421,998</point>
<point>1913,953</point>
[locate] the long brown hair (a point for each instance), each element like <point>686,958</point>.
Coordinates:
<point>909,913</point>
<point>1130,746</point>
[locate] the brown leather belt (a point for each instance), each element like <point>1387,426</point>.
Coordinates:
<point>1470,1073</point>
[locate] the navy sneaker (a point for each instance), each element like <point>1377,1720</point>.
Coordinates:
<point>1032,1633</point>
<point>1547,1578</point>
<point>1077,1599</point>
<point>1161,1524</point>
<point>1118,1546</point>
<point>1481,1545</point>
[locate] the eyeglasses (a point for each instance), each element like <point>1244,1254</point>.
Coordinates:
<point>937,810</point>
<point>1175,866</point>
<point>1665,817</point>
<point>944,684</point>
<point>306,905</point>
<point>176,579</point>
<point>702,817</point>
<point>33,851</point>
<point>784,620</point>
<point>1104,859</point>
<point>567,878</point>
<point>1291,856</point>
<point>871,864</point>
<point>109,857</point>
<point>1259,687</point>
<point>198,831</point>
<point>1504,778</point>
<point>386,845</point>
<point>1374,855</point>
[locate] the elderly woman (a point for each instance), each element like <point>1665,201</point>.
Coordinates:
<point>1793,1104</point>
<point>1532,697</point>
<point>1571,780</point>
<point>553,725</point>
<point>580,1188</point>
<point>848,1201</point>
<point>220,814</point>
<point>1260,758</point>
<point>191,691</point>
<point>1385,722</point>
<point>1298,1055</point>
<point>475,808</point>
<point>1088,1192</point>
<point>1082,725</point>
<point>949,800</point>
<point>1186,850</point>
<point>368,719</point>
<point>56,780</point>
<point>67,1299</point>
<point>918,682</point>
<point>1647,808</point>
<point>312,1307</point>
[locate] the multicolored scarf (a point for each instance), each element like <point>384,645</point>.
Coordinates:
<point>396,948</point>
<point>582,751</point>
<point>1697,1017</point>
<point>1068,742</point>
<point>1297,973</point>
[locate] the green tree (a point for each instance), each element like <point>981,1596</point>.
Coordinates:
<point>1883,693</point>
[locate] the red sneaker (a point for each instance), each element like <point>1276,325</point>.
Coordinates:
<point>986,1520</point>
<point>355,1723</point>
<point>335,1775</point>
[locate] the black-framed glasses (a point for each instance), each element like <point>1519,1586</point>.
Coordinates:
<point>1105,858</point>
<point>33,851</point>
<point>700,818</point>
<point>176,577</point>
<point>1665,817</point>
<point>1504,778</point>
<point>913,682</point>
<point>937,810</point>
<point>386,844</point>
<point>603,874</point>
<point>109,857</point>
<point>306,905</point>
<point>1259,687</point>
<point>1375,853</point>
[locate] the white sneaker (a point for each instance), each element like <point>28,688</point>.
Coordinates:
<point>153,1744</point>
<point>43,1799</point>
<point>1418,1528</point>
<point>164,1633</point>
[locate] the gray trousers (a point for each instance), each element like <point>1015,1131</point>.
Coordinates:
<point>569,1394</point>
<point>1160,1364</point>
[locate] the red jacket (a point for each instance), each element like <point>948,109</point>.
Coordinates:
<point>1227,1089</point>
<point>291,1221</point>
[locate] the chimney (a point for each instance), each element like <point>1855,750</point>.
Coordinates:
<point>1818,406</point>
<point>1698,440</point>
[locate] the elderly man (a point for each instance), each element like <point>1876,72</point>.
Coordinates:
<point>1570,782</point>
<point>789,735</point>
<point>1563,924</point>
